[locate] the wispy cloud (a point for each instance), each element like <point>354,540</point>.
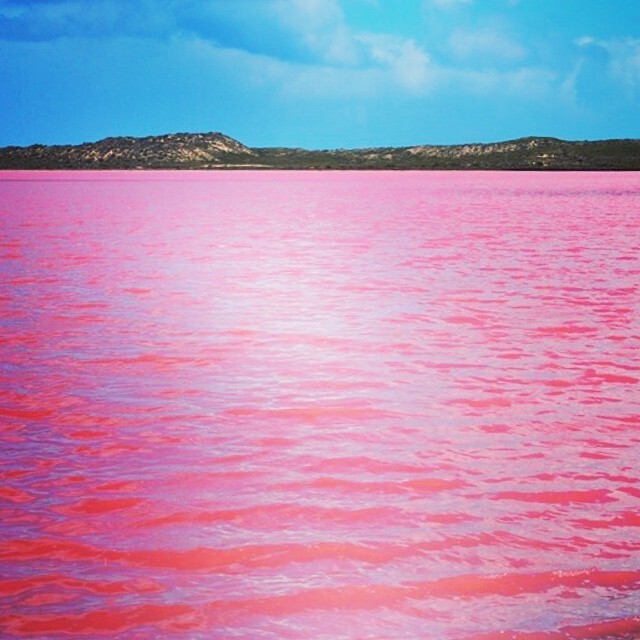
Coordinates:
<point>448,4</point>
<point>528,83</point>
<point>606,67</point>
<point>485,43</point>
<point>407,64</point>
<point>385,60</point>
<point>621,56</point>
<point>305,34</point>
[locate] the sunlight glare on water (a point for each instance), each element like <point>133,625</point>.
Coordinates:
<point>319,405</point>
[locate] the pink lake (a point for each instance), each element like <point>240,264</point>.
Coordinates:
<point>319,405</point>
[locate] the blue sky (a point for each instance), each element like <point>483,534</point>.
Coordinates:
<point>319,73</point>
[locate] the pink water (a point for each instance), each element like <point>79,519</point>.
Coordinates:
<point>319,406</point>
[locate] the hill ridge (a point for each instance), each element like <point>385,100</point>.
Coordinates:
<point>215,150</point>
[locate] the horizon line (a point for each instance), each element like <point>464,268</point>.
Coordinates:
<point>404,146</point>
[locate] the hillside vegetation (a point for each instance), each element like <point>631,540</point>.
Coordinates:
<point>218,151</point>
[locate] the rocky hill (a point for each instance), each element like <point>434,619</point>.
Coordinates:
<point>217,151</point>
<point>172,151</point>
<point>522,154</point>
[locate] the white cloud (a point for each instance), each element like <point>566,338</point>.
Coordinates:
<point>348,61</point>
<point>407,64</point>
<point>358,64</point>
<point>585,41</point>
<point>625,61</point>
<point>401,68</point>
<point>448,4</point>
<point>487,42</point>
<point>307,48</point>
<point>529,83</point>
<point>343,62</point>
<point>619,61</point>
<point>320,26</point>
<point>332,84</point>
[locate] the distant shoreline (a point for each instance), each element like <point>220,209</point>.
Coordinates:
<point>216,151</point>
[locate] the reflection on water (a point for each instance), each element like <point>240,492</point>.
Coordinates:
<point>328,406</point>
